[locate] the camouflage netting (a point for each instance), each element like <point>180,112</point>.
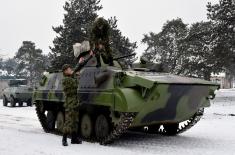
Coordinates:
<point>100,34</point>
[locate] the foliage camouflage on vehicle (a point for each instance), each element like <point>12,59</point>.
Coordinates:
<point>126,99</point>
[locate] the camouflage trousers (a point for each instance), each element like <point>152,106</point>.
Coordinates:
<point>71,121</point>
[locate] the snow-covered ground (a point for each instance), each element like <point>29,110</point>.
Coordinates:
<point>21,134</point>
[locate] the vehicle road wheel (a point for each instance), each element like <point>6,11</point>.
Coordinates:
<point>5,102</point>
<point>21,103</point>
<point>102,127</point>
<point>50,120</point>
<point>29,103</point>
<point>153,129</point>
<point>171,129</point>
<point>60,121</point>
<point>86,126</point>
<point>12,101</point>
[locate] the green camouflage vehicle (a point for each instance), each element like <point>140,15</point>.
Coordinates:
<point>114,100</point>
<point>17,92</point>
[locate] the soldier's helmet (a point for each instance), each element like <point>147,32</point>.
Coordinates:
<point>65,66</point>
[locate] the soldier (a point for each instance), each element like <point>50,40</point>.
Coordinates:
<point>71,105</point>
<point>143,62</point>
<point>100,40</point>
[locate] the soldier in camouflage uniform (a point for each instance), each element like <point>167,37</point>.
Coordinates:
<point>71,105</point>
<point>100,41</point>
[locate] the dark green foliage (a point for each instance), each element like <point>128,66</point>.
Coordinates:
<point>222,15</point>
<point>168,46</point>
<point>185,50</point>
<point>202,60</point>
<point>77,24</point>
<point>202,49</point>
<point>30,62</point>
<point>120,44</point>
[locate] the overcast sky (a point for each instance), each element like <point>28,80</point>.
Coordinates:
<point>33,19</point>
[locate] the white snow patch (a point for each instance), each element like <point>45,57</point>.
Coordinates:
<point>21,134</point>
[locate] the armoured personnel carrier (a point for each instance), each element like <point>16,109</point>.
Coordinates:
<point>114,100</point>
<point>17,92</point>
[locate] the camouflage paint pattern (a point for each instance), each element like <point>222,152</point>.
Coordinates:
<point>71,121</point>
<point>71,105</point>
<point>155,97</point>
<point>50,89</point>
<point>18,90</point>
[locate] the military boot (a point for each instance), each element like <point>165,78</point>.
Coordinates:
<point>75,139</point>
<point>64,140</point>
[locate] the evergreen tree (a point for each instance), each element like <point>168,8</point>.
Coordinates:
<point>10,65</point>
<point>204,48</point>
<point>31,62</point>
<point>76,26</point>
<point>187,51</point>
<point>78,19</point>
<point>201,61</point>
<point>120,44</point>
<point>222,15</point>
<point>168,46</point>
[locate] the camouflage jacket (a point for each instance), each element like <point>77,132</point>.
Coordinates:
<point>70,86</point>
<point>100,34</point>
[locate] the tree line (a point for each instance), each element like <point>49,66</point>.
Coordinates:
<point>29,62</point>
<point>78,19</point>
<point>195,50</point>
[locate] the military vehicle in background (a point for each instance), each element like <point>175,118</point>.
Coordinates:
<point>114,100</point>
<point>17,92</point>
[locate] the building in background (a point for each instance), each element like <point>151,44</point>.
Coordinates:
<point>226,81</point>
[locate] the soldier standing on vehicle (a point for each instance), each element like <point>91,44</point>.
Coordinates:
<point>71,105</point>
<point>100,41</point>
